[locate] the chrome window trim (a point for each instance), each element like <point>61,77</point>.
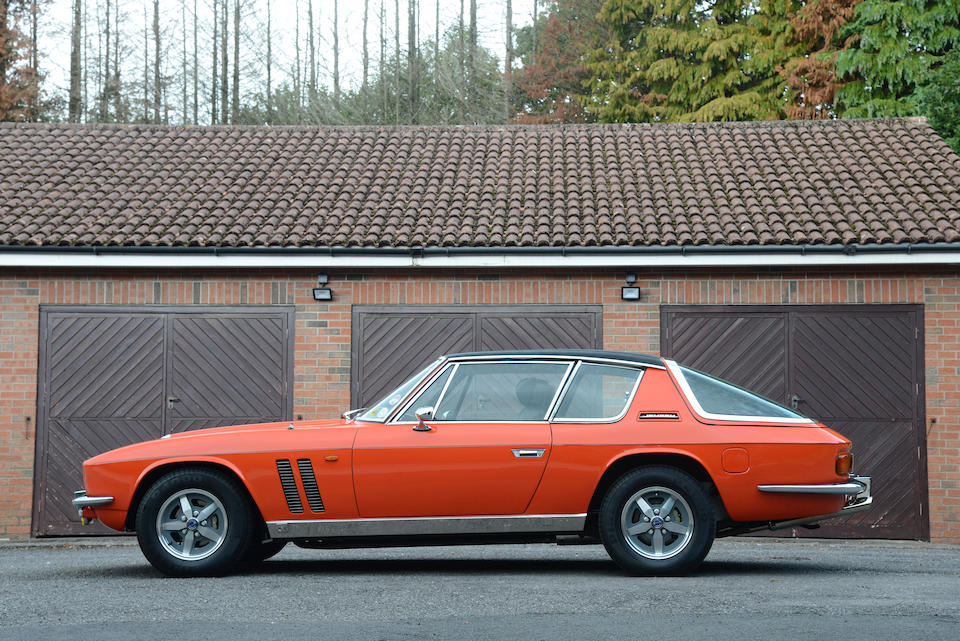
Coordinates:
<point>558,357</point>
<point>394,418</point>
<point>698,409</point>
<point>615,419</point>
<point>420,525</point>
<point>441,361</point>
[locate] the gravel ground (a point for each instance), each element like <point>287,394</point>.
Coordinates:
<point>748,588</point>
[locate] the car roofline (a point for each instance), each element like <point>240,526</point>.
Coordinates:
<point>590,355</point>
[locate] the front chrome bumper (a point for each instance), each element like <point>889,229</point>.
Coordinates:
<point>858,501</point>
<point>81,500</point>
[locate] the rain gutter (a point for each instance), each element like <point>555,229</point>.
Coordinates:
<point>482,257</point>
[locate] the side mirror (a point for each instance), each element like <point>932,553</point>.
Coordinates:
<point>423,414</point>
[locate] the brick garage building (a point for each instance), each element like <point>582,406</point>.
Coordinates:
<point>161,279</point>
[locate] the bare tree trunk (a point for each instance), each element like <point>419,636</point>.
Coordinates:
<point>34,65</point>
<point>156,61</point>
<point>508,64</point>
<point>105,88</point>
<point>461,58</point>
<point>336,56</point>
<point>412,61</point>
<point>76,104</point>
<point>214,91</point>
<point>224,65</point>
<point>116,65</point>
<point>383,62</point>
<point>146,66</point>
<point>84,103</point>
<point>396,61</point>
<point>436,36</point>
<point>533,52</point>
<point>472,54</point>
<point>183,77</point>
<point>235,98</point>
<point>196,68</point>
<point>4,21</point>
<point>312,87</point>
<point>366,58</point>
<point>296,75</point>
<point>269,65</point>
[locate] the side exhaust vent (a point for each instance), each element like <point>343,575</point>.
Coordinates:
<point>289,485</point>
<point>310,484</point>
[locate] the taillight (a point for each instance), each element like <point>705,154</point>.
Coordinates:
<point>844,463</point>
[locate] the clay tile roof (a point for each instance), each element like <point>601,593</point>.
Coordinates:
<point>840,182</point>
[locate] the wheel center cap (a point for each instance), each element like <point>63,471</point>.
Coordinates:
<point>657,522</point>
<point>193,524</point>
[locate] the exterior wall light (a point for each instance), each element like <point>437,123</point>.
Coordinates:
<point>322,293</point>
<point>630,292</point>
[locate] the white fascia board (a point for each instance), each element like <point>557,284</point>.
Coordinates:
<point>371,260</point>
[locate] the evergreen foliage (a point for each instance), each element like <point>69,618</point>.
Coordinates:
<point>682,60</point>
<point>898,44</point>
<point>811,74</point>
<point>939,98</point>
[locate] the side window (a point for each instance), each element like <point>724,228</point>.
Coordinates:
<point>519,391</point>
<point>598,392</point>
<point>427,398</point>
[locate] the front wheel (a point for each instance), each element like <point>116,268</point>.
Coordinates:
<point>194,522</point>
<point>657,520</point>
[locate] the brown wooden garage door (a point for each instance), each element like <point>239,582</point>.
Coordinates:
<point>392,343</point>
<point>856,368</point>
<point>112,376</point>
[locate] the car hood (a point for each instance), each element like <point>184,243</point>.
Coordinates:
<point>258,427</point>
<point>257,437</point>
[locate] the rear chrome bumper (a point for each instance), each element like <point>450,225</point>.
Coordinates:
<point>859,501</point>
<point>81,500</point>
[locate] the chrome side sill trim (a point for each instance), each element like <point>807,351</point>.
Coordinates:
<point>831,488</point>
<point>520,523</point>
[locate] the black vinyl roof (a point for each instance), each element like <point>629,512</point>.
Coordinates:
<point>641,359</point>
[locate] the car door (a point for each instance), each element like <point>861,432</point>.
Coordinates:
<point>483,453</point>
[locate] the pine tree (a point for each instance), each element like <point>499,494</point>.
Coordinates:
<point>898,45</point>
<point>550,86</point>
<point>811,75</point>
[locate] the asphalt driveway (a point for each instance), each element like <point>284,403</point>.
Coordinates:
<point>747,589</point>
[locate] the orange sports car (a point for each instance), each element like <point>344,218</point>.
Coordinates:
<point>649,457</point>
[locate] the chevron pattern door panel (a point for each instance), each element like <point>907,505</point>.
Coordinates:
<point>856,368</point>
<point>111,376</point>
<point>391,343</point>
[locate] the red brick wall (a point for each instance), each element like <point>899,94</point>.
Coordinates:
<point>321,375</point>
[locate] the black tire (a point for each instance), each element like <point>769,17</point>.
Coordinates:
<point>648,540</point>
<point>261,551</point>
<point>214,537</point>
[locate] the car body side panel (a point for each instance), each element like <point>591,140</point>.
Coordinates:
<point>251,454</point>
<point>453,469</point>
<point>777,454</point>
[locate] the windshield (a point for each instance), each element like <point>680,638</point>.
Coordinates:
<point>379,412</point>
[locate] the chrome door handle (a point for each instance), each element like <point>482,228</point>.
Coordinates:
<point>528,453</point>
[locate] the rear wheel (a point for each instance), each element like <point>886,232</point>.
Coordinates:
<point>657,520</point>
<point>194,522</point>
